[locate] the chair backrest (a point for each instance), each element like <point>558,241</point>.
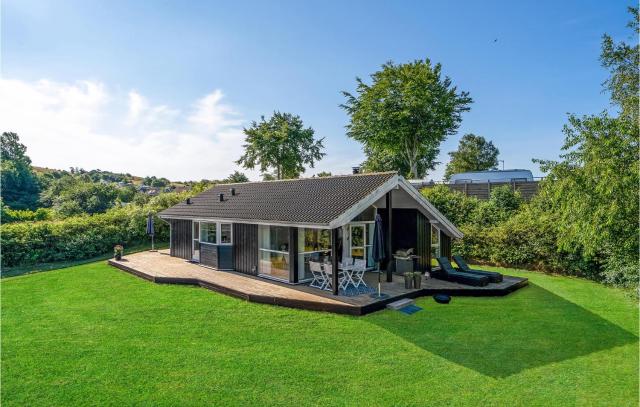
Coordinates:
<point>328,268</point>
<point>347,261</point>
<point>360,264</point>
<point>461,263</point>
<point>315,267</point>
<point>445,264</point>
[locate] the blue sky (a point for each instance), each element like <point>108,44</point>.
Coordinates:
<point>127,86</point>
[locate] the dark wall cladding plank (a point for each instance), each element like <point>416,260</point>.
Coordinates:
<point>245,248</point>
<point>209,255</point>
<point>181,238</point>
<point>445,245</point>
<point>423,242</point>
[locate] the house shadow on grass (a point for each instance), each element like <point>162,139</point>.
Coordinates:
<point>499,337</point>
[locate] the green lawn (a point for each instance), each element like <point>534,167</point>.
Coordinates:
<point>90,335</point>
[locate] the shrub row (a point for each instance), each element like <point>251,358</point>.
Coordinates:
<point>507,232</point>
<point>81,237</point>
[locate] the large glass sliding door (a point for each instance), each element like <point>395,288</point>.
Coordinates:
<point>273,256</point>
<point>313,245</point>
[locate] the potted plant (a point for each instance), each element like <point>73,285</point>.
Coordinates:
<point>417,279</point>
<point>408,280</point>
<point>118,250</point>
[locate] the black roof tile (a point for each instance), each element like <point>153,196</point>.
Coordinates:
<point>302,201</point>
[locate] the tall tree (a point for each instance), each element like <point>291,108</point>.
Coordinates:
<point>20,187</point>
<point>474,153</point>
<point>237,177</point>
<point>623,62</point>
<point>404,115</point>
<point>593,190</point>
<point>281,144</point>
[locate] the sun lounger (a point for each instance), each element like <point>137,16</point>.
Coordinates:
<point>494,277</point>
<point>447,272</point>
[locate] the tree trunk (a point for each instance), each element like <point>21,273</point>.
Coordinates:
<point>414,169</point>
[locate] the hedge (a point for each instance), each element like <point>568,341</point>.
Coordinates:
<point>81,237</point>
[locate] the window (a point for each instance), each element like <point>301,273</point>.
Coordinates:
<point>273,259</point>
<point>313,245</point>
<point>214,233</point>
<point>208,232</point>
<point>225,233</point>
<point>361,240</point>
<point>435,244</point>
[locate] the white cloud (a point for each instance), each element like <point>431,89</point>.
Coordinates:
<point>83,124</point>
<point>211,115</point>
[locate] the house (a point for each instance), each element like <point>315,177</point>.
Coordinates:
<point>273,229</point>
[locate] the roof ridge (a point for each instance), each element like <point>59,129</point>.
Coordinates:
<point>311,178</point>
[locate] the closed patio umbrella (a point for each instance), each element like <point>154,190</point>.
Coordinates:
<point>150,229</point>
<point>377,251</point>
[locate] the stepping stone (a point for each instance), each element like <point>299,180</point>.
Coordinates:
<point>396,305</point>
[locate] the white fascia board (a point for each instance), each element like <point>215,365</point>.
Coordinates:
<point>364,203</point>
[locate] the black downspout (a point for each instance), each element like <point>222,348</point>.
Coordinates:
<point>389,236</point>
<point>334,260</point>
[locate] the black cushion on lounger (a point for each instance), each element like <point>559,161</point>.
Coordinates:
<point>494,277</point>
<point>442,298</point>
<point>451,274</point>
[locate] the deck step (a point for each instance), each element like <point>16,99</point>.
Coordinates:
<point>396,305</point>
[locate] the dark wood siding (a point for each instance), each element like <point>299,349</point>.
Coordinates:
<point>445,245</point>
<point>181,239</point>
<point>423,242</point>
<point>245,248</point>
<point>209,255</point>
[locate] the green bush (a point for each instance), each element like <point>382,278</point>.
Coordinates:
<point>506,231</point>
<point>25,215</point>
<point>85,236</point>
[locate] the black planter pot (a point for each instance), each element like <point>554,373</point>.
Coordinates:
<point>118,256</point>
<point>417,280</point>
<point>408,280</point>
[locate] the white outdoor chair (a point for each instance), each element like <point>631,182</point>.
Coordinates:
<point>319,278</point>
<point>357,275</point>
<point>343,279</point>
<point>347,262</point>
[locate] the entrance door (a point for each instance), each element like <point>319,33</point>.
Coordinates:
<point>195,256</point>
<point>357,241</point>
<point>361,240</point>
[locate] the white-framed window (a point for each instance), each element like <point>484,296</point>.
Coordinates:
<point>361,241</point>
<point>216,233</point>
<point>225,233</point>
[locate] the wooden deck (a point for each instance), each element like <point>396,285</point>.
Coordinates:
<point>161,268</point>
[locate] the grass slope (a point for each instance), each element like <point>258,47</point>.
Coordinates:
<point>93,335</point>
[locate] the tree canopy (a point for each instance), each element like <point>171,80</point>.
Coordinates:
<point>623,62</point>
<point>237,177</point>
<point>20,187</point>
<point>474,153</point>
<point>403,116</point>
<point>592,191</point>
<point>281,144</point>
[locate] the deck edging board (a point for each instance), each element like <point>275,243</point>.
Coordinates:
<point>339,308</point>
